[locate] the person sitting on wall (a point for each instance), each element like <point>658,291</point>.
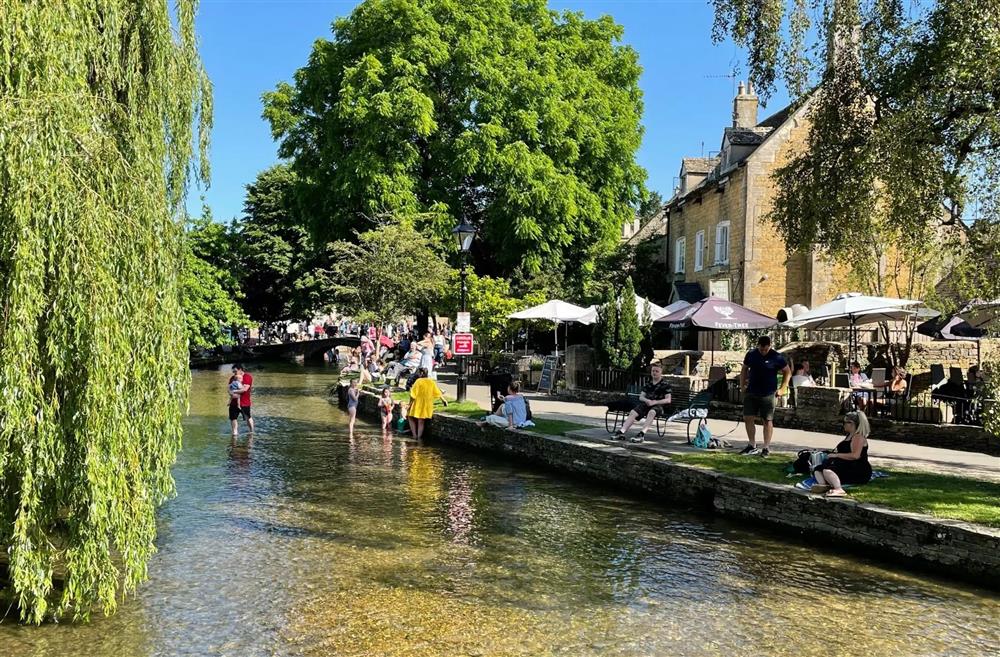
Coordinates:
<point>653,401</point>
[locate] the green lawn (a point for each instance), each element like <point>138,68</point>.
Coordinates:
<point>556,427</point>
<point>942,496</point>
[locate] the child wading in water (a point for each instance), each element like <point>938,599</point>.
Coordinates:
<point>353,394</point>
<point>385,404</point>
<point>235,390</point>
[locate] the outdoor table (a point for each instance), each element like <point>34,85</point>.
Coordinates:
<point>868,392</point>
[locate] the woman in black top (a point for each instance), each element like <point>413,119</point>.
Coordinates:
<point>849,464</point>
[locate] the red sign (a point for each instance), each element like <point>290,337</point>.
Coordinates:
<point>462,344</point>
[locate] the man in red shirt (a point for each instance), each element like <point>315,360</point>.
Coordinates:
<point>244,406</point>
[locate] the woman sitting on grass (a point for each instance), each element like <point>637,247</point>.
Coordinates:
<point>849,464</point>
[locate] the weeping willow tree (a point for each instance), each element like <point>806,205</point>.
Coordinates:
<point>104,110</point>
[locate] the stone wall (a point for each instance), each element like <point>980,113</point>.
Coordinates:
<point>818,409</point>
<point>952,547</point>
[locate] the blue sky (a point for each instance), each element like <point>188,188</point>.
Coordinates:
<point>250,45</point>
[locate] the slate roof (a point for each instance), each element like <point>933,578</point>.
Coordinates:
<point>777,118</point>
<point>746,136</point>
<point>699,164</point>
<point>690,292</point>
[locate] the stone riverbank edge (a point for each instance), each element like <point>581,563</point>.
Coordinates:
<point>959,549</point>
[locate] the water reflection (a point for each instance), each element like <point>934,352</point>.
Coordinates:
<point>306,542</point>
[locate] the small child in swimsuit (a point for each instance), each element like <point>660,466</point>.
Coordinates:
<point>385,404</point>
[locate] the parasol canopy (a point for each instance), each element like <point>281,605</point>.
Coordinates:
<point>717,314</point>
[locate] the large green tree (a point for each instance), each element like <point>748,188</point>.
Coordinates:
<point>98,107</point>
<point>904,102</point>
<point>521,119</point>
<point>209,283</point>
<point>386,273</point>
<point>280,270</point>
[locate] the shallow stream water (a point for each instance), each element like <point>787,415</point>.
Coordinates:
<point>308,542</point>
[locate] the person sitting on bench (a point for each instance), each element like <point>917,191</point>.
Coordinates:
<point>653,401</point>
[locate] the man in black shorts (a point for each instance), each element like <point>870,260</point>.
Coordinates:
<point>759,380</point>
<point>653,401</point>
<point>243,407</point>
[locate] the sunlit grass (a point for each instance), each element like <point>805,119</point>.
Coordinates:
<point>941,496</point>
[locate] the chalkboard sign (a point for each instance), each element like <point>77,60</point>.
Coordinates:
<point>547,380</point>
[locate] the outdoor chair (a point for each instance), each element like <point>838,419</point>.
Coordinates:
<point>715,373</point>
<point>699,402</point>
<point>937,376</point>
<point>957,375</point>
<point>618,410</point>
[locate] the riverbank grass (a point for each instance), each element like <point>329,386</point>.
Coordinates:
<point>941,496</point>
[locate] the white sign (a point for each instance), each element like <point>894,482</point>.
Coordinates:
<point>464,323</point>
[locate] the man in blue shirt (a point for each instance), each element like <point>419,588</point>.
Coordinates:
<point>759,380</point>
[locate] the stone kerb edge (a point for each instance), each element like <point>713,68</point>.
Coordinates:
<point>969,551</point>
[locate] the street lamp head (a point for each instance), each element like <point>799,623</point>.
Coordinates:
<point>464,232</point>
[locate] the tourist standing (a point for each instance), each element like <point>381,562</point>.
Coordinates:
<point>241,405</point>
<point>353,396</point>
<point>423,394</point>
<point>759,381</point>
<point>427,352</point>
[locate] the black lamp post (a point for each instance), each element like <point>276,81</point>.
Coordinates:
<point>464,233</point>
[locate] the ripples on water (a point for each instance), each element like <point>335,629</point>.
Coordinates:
<point>311,543</point>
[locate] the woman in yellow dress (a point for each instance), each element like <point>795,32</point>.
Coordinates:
<point>423,393</point>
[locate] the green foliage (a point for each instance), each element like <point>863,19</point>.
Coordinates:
<point>390,272</point>
<point>99,103</point>
<point>605,332</point>
<point>642,263</point>
<point>281,272</point>
<point>490,301</point>
<point>523,120</point>
<point>905,104</point>
<point>651,206</point>
<point>209,285</point>
<point>618,333</point>
<point>629,328</point>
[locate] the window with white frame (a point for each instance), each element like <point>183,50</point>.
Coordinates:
<point>699,250</point>
<point>680,262</point>
<point>722,243</point>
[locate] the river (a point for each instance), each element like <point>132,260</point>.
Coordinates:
<point>311,543</point>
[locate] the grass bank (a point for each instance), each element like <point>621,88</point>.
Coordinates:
<point>941,496</point>
<point>472,410</point>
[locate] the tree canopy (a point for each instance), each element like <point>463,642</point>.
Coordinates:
<point>905,111</point>
<point>210,286</point>
<point>523,120</point>
<point>386,273</point>
<point>99,105</point>
<point>280,269</point>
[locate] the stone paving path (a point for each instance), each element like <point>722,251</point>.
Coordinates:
<point>884,454</point>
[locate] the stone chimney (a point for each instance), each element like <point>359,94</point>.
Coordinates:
<point>745,107</point>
